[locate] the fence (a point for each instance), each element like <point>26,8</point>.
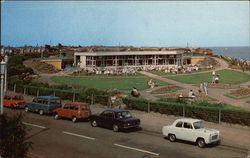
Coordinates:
<point>76,95</point>
<point>212,114</point>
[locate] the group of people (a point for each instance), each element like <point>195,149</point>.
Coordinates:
<point>203,88</point>
<point>107,71</point>
<point>182,69</point>
<point>215,77</point>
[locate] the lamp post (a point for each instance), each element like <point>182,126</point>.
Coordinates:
<point>3,64</point>
<point>5,77</point>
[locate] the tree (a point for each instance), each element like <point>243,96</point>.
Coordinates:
<point>12,137</point>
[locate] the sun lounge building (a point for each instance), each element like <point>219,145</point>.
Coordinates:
<point>134,59</point>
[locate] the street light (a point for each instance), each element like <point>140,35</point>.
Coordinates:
<point>5,78</point>
<point>3,64</point>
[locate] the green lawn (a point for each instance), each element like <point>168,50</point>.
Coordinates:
<point>108,82</point>
<point>226,76</point>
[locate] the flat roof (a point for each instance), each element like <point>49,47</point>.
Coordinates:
<point>188,119</point>
<point>11,95</point>
<point>49,97</point>
<point>62,57</point>
<point>129,53</point>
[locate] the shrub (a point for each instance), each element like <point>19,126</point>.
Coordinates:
<point>12,138</point>
<point>203,110</point>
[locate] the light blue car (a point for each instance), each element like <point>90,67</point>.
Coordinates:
<point>43,104</point>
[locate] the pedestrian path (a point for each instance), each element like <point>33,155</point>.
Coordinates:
<point>215,93</point>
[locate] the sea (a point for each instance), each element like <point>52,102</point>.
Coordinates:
<point>233,52</point>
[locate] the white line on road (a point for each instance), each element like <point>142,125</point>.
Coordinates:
<point>144,151</point>
<point>30,124</point>
<point>78,135</point>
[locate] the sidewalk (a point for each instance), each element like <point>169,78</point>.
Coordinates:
<point>235,136</point>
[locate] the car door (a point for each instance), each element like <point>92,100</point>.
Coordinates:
<point>64,111</point>
<point>44,105</point>
<point>72,111</point>
<point>178,130</point>
<point>33,105</point>
<point>105,118</point>
<point>188,131</point>
<point>7,101</point>
<point>101,118</point>
<point>110,119</point>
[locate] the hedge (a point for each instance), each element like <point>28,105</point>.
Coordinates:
<point>207,113</point>
<point>81,95</point>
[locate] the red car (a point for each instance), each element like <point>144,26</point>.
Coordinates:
<point>74,111</point>
<point>14,101</point>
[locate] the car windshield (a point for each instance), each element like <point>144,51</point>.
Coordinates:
<point>198,125</point>
<point>85,107</point>
<point>18,97</point>
<point>124,114</point>
<point>55,101</point>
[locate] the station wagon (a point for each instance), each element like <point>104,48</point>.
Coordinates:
<point>73,110</point>
<point>14,101</point>
<point>43,104</point>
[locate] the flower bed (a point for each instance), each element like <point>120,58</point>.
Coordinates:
<point>239,93</point>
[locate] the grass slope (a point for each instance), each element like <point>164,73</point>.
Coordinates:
<point>226,76</point>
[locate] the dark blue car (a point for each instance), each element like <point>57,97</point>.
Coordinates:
<point>116,119</point>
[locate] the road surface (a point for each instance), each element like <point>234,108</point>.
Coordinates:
<point>62,138</point>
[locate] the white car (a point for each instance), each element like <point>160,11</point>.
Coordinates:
<point>192,130</point>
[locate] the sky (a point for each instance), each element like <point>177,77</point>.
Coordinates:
<point>133,23</point>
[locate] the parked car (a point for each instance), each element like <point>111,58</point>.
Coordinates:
<point>43,104</point>
<point>192,130</point>
<point>73,110</point>
<point>116,119</point>
<point>14,101</point>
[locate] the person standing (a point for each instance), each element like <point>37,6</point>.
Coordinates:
<point>201,88</point>
<point>205,84</point>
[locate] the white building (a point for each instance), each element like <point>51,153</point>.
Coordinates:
<point>128,59</point>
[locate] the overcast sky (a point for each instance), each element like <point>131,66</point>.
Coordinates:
<point>141,23</point>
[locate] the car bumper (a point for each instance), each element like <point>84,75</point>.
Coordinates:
<point>214,142</point>
<point>19,106</point>
<point>128,127</point>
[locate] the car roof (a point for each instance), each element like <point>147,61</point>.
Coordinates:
<point>49,97</point>
<point>11,95</point>
<point>117,110</point>
<point>188,120</point>
<point>77,103</point>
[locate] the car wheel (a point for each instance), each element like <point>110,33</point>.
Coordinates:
<point>172,137</point>
<point>26,109</point>
<point>74,119</point>
<point>115,128</point>
<point>56,116</point>
<point>41,112</point>
<point>201,143</point>
<point>94,123</point>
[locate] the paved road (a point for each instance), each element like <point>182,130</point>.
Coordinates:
<point>61,138</point>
